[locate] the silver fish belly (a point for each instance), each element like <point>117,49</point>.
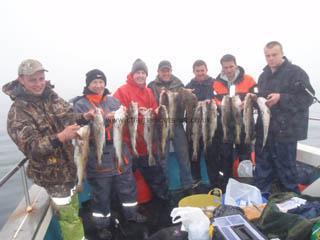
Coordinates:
<point>133,113</point>
<point>265,114</point>
<point>120,117</point>
<point>99,135</point>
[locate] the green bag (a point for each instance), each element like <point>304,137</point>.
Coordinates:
<point>276,224</point>
<point>70,222</point>
<point>316,231</point>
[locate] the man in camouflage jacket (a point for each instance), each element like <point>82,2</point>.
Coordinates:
<point>42,125</point>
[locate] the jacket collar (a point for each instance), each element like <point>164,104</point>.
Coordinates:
<point>173,83</point>
<point>267,69</point>
<point>206,82</point>
<point>131,82</point>
<point>239,76</point>
<point>15,90</point>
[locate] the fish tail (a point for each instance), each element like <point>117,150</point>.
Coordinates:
<point>194,157</point>
<point>151,160</point>
<point>79,187</point>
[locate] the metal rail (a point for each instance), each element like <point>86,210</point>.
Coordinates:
<point>314,118</point>
<point>20,166</point>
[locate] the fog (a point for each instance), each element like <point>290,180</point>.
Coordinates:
<point>72,37</point>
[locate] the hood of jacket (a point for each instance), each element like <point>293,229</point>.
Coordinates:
<point>131,81</point>
<point>223,78</point>
<point>172,84</point>
<point>15,90</point>
<point>208,81</point>
<point>268,71</point>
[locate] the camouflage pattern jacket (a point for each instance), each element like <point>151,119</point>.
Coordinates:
<point>33,122</point>
<point>173,85</point>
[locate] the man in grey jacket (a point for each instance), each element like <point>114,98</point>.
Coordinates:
<point>166,80</point>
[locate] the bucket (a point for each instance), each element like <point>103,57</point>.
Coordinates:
<point>207,202</point>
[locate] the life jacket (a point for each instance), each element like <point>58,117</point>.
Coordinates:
<point>243,85</point>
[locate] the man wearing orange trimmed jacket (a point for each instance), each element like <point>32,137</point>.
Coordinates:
<point>231,81</point>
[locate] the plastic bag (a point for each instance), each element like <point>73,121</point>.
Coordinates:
<point>245,169</point>
<point>193,220</point>
<point>242,194</point>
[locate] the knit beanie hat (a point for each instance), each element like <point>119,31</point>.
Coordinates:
<point>139,65</point>
<point>95,74</point>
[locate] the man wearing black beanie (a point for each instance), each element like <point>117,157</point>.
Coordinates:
<point>95,74</point>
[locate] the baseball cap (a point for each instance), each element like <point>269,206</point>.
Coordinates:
<point>29,67</point>
<point>164,64</point>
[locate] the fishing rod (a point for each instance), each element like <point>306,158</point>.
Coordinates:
<point>315,99</point>
<point>303,86</point>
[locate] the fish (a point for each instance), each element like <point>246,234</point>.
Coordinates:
<point>237,117</point>
<point>148,134</point>
<point>81,152</point>
<point>225,116</point>
<point>164,98</point>
<point>120,117</point>
<point>188,101</point>
<point>169,99</point>
<point>248,120</point>
<point>265,114</point>
<point>212,118</point>
<point>164,128</point>
<point>172,109</point>
<point>196,131</point>
<point>204,123</point>
<point>133,113</point>
<point>99,134</point>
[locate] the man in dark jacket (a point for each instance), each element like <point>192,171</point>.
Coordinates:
<point>283,85</point>
<point>108,180</point>
<point>202,87</point>
<point>166,80</point>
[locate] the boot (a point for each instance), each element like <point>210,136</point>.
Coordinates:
<point>132,214</point>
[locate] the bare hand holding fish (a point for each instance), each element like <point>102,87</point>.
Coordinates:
<point>272,99</point>
<point>90,115</point>
<point>69,133</point>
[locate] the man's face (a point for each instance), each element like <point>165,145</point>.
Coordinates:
<point>200,72</point>
<point>140,77</point>
<point>274,56</point>
<point>35,83</point>
<point>229,69</point>
<point>165,74</point>
<point>97,86</point>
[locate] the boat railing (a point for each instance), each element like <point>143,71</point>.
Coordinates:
<point>314,118</point>
<point>19,166</point>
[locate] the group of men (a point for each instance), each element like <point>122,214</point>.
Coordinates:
<point>42,124</point>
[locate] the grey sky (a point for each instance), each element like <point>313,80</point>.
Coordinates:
<point>71,37</point>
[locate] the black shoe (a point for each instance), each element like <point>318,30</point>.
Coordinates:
<point>189,191</point>
<point>139,218</point>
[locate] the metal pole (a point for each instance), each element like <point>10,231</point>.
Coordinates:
<point>314,118</point>
<point>25,189</point>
